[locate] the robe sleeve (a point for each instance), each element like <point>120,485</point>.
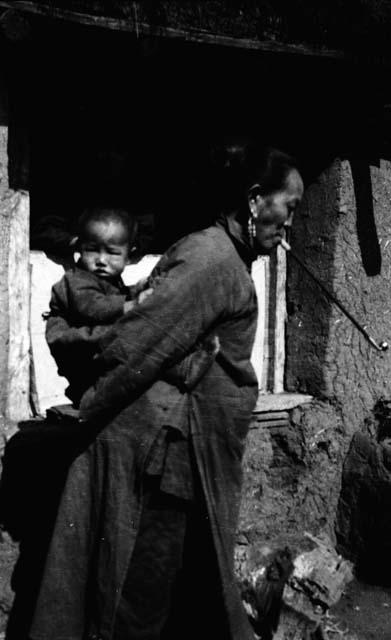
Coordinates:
<point>190,296</point>
<point>59,334</point>
<point>66,342</point>
<point>70,345</point>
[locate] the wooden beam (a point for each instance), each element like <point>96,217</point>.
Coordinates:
<point>189,35</point>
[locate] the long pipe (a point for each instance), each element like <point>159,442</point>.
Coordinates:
<point>382,346</point>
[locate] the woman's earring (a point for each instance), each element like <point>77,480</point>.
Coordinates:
<point>252,231</point>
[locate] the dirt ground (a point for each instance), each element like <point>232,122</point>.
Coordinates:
<point>363,613</point>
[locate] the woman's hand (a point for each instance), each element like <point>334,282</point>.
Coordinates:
<point>129,305</point>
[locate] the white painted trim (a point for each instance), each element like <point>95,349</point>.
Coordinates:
<point>259,358</point>
<point>280,320</point>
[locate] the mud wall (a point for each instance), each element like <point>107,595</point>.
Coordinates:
<point>293,471</point>
<point>344,236</point>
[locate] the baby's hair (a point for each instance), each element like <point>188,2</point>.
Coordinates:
<point>108,214</point>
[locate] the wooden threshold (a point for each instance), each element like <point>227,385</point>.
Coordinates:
<point>280,401</point>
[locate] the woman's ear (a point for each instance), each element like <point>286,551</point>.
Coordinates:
<point>255,203</point>
<point>255,199</point>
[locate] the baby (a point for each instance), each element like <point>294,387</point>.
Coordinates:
<point>91,296</point>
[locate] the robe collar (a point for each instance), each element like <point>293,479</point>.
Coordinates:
<point>238,237</point>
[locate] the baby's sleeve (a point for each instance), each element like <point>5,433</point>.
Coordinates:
<point>91,305</point>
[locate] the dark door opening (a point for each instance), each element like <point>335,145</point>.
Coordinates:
<point>110,117</point>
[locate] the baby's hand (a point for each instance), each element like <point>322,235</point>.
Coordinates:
<point>129,305</point>
<point>144,294</point>
<point>212,345</point>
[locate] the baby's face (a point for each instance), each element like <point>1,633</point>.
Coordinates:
<point>104,249</point>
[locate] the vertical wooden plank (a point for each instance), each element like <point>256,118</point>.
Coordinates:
<point>280,319</point>
<point>271,323</point>
<point>17,381</point>
<point>266,341</point>
<point>259,357</point>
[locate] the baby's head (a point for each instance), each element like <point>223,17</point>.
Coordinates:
<point>105,240</point>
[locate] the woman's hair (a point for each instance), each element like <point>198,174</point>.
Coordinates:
<point>108,214</point>
<point>242,167</point>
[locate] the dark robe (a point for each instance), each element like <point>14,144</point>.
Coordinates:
<point>201,285</point>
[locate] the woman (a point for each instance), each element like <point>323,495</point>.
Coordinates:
<point>144,539</point>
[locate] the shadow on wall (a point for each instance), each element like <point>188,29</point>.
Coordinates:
<point>366,226</point>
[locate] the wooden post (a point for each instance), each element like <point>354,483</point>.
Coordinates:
<point>14,288</point>
<point>17,402</point>
<point>280,319</point>
<point>259,357</point>
<point>14,300</point>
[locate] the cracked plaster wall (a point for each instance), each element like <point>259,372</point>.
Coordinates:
<point>293,472</point>
<point>326,355</point>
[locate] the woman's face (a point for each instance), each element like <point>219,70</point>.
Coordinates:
<point>273,213</point>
